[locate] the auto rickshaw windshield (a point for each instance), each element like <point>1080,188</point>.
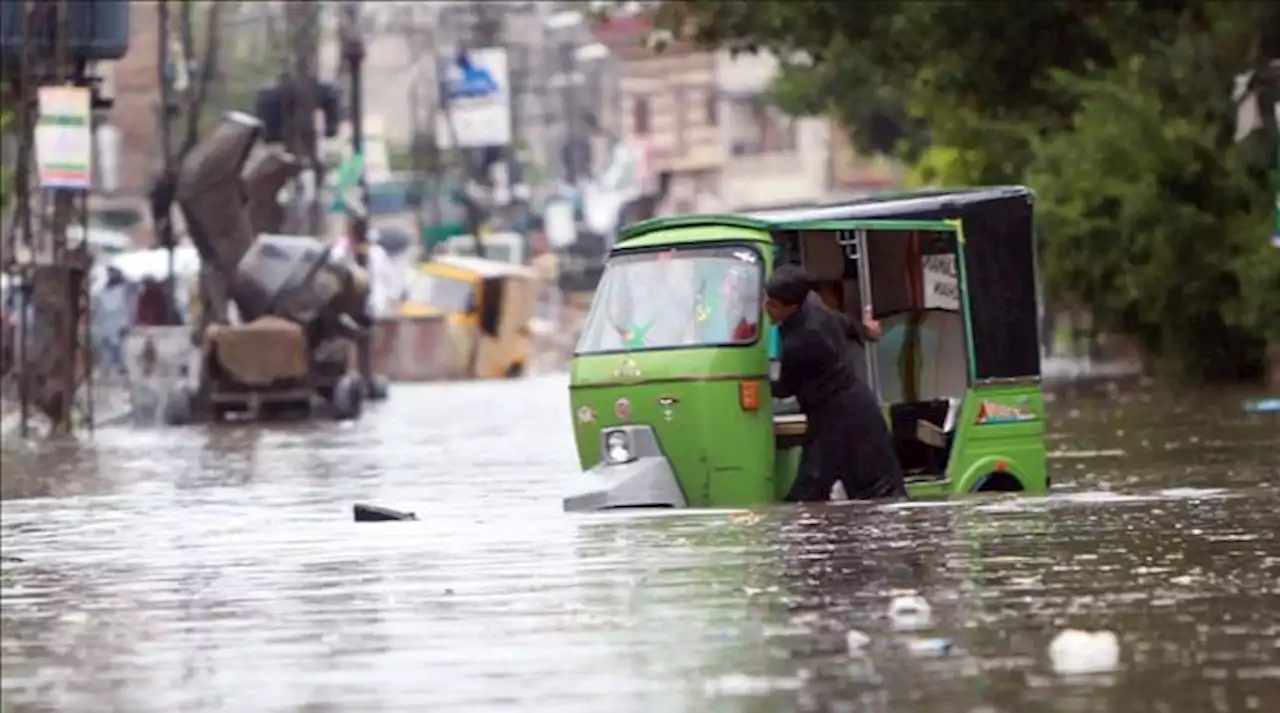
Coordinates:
<point>676,298</point>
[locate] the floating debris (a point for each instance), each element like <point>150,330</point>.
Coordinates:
<point>934,647</point>
<point>377,513</point>
<point>910,612</point>
<point>1076,653</point>
<point>856,641</point>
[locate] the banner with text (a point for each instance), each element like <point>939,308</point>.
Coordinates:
<point>64,138</point>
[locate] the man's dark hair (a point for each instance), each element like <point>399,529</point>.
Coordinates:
<point>789,284</point>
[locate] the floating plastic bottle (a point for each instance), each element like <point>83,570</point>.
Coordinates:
<point>910,612</point>
<point>1074,652</point>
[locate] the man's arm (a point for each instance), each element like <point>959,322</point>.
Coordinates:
<point>853,329</point>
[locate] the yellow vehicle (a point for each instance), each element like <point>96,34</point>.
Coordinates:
<point>463,318</point>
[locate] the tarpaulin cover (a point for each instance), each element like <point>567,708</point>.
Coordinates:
<point>265,350</point>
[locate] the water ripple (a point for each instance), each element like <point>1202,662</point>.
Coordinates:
<point>216,569</point>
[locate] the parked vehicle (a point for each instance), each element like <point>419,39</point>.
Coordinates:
<point>464,318</point>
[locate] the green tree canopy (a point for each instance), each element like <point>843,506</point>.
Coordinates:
<point>1119,114</point>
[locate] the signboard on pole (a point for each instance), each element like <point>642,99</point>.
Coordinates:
<point>475,99</point>
<point>64,138</point>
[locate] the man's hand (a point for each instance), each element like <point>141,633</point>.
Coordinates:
<point>871,324</point>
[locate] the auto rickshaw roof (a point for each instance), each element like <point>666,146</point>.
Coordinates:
<point>698,220</point>
<point>874,211</point>
<point>931,202</point>
<point>483,268</point>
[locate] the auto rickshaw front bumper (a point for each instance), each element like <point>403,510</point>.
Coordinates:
<point>634,473</point>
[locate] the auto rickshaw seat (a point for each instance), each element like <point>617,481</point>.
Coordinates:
<point>922,436</point>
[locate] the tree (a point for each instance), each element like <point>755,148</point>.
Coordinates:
<point>1118,114</point>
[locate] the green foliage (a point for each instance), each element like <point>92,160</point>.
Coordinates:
<point>1147,222</point>
<point>1118,114</point>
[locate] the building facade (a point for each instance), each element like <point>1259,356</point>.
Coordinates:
<point>706,119</point>
<point>775,160</point>
<point>669,103</point>
<point>128,155</point>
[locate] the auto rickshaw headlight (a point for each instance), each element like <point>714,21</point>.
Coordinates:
<point>617,448</point>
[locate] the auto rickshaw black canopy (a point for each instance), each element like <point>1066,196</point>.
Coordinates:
<point>999,260</point>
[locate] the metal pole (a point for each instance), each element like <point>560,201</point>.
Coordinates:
<point>165,226</point>
<point>353,51</point>
<point>568,74</point>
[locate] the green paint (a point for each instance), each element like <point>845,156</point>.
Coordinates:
<point>726,456</point>
<point>964,301</point>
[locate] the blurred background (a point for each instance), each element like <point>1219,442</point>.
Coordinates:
<point>1148,133</point>
<point>438,157</point>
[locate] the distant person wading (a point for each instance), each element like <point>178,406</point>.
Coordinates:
<point>846,438</point>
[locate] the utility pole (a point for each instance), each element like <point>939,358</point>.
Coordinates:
<point>353,52</point>
<point>571,149</point>
<point>162,213</point>
<point>54,364</point>
<point>299,109</point>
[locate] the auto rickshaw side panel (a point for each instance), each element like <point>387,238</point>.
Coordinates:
<point>1000,440</point>
<point>708,408</point>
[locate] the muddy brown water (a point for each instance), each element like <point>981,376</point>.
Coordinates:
<point>217,570</point>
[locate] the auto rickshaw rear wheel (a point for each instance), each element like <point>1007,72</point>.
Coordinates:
<point>999,483</point>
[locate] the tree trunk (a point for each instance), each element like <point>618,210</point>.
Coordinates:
<point>1273,366</point>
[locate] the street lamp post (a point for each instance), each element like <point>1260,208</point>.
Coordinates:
<point>353,52</point>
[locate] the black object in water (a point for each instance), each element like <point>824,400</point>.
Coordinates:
<point>374,513</point>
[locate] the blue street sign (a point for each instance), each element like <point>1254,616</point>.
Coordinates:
<point>468,80</point>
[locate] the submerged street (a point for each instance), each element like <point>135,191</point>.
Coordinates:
<point>204,569</point>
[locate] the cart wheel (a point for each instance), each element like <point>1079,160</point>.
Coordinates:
<point>177,409</point>
<point>348,398</point>
<point>379,387</point>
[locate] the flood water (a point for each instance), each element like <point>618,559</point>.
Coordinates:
<point>217,570</point>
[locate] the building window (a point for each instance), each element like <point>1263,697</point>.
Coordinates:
<point>754,127</point>
<point>712,107</point>
<point>640,116</point>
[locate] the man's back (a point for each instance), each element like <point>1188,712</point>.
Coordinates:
<point>816,363</point>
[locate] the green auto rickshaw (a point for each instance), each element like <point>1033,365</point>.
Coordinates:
<point>670,380</point>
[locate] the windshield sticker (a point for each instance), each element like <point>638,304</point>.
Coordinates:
<point>668,403</point>
<point>634,336</point>
<point>745,256</point>
<point>990,412</point>
<point>622,409</point>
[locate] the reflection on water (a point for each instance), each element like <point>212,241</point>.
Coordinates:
<point>215,569</point>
